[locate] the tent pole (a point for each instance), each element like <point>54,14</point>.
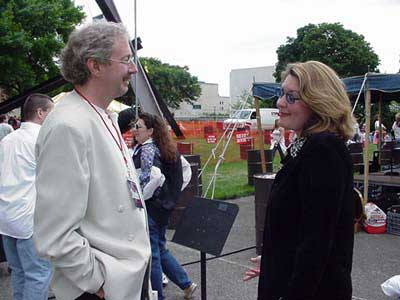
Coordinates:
<point>380,126</point>
<point>366,152</point>
<point>260,135</point>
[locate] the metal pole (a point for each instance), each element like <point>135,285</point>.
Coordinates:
<point>203,275</point>
<point>367,131</point>
<point>136,63</point>
<point>260,136</point>
<point>380,131</point>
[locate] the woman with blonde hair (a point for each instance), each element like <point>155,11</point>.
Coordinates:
<point>308,235</point>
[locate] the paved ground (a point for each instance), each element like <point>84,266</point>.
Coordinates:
<point>376,258</point>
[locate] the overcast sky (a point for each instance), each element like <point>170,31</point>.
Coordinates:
<point>212,37</point>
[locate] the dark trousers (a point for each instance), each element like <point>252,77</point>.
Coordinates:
<point>87,296</point>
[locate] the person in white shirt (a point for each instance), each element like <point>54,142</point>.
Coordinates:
<point>278,141</point>
<point>396,128</point>
<point>30,274</point>
<point>378,124</point>
<point>5,128</point>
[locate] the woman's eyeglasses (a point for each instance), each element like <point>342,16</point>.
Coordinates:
<point>137,126</point>
<point>290,98</point>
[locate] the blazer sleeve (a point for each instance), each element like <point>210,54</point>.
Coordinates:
<point>322,183</point>
<point>62,184</point>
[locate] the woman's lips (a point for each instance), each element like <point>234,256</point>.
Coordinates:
<point>282,114</point>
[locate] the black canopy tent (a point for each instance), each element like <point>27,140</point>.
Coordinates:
<point>386,86</point>
<point>376,88</point>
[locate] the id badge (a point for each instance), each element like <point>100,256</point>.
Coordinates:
<point>134,193</point>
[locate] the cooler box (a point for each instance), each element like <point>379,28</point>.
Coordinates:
<point>375,221</point>
<point>375,229</point>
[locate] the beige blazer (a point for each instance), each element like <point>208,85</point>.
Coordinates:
<point>85,220</point>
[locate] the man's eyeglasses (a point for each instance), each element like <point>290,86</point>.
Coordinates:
<point>127,61</point>
<point>290,98</point>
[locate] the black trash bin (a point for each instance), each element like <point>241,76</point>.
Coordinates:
<point>254,163</point>
<point>262,184</point>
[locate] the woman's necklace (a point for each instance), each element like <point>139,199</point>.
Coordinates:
<point>297,145</point>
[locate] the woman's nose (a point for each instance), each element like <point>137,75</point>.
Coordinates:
<point>281,102</point>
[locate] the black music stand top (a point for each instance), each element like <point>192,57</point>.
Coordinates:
<point>205,225</point>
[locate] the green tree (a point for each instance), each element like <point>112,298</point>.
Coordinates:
<point>32,34</point>
<point>343,50</point>
<point>174,83</point>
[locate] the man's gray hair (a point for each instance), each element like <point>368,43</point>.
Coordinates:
<point>93,40</point>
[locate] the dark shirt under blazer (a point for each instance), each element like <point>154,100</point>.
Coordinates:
<point>308,235</point>
<point>163,201</point>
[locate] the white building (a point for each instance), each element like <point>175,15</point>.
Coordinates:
<point>209,104</point>
<point>241,80</point>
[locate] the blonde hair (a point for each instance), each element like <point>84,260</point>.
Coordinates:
<point>324,93</point>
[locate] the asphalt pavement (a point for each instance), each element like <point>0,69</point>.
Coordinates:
<point>376,258</point>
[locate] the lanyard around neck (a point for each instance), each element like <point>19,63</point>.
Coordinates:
<point>119,142</point>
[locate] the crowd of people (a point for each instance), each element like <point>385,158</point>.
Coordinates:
<point>79,208</point>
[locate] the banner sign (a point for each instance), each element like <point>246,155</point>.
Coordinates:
<point>242,137</point>
<point>211,139</point>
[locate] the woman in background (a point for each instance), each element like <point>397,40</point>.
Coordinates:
<point>161,181</point>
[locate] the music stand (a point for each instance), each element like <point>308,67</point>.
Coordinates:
<point>205,226</point>
<point>394,160</point>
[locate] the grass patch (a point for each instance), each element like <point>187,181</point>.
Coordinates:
<point>232,173</point>
<point>231,181</point>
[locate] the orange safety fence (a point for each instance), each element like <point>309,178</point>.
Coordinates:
<point>205,129</point>
<point>201,129</point>
<point>198,129</point>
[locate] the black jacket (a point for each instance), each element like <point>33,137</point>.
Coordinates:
<point>309,231</point>
<point>162,203</point>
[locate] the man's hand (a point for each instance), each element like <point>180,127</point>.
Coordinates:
<point>100,293</point>
<point>253,272</point>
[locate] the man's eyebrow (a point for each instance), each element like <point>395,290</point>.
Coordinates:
<point>127,56</point>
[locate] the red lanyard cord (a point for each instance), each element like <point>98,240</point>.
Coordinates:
<point>119,144</point>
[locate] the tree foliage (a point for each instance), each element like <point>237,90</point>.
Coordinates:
<point>174,83</point>
<point>343,50</point>
<point>32,34</point>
